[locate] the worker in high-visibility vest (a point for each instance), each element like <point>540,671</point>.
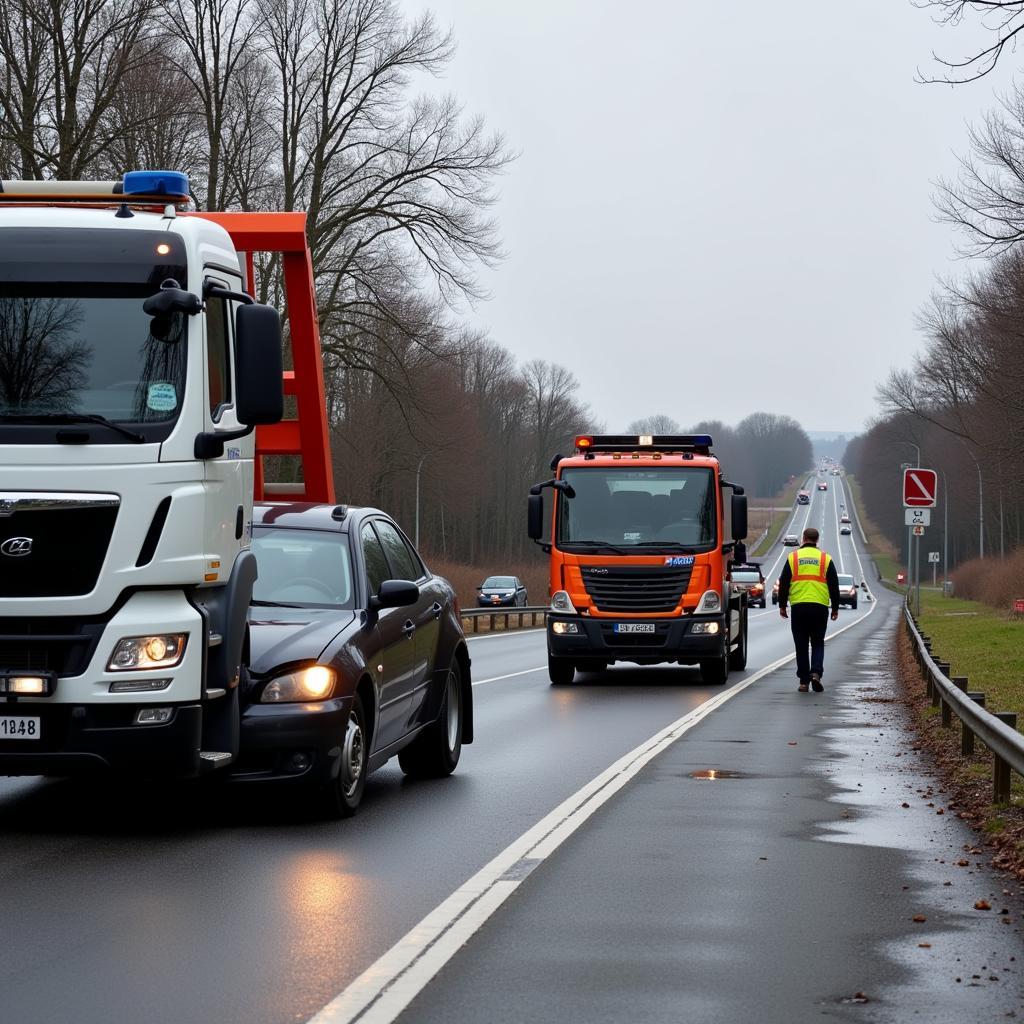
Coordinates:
<point>810,583</point>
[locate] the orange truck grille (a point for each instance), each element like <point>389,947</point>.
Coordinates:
<point>635,588</point>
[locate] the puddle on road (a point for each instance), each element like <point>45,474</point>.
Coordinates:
<point>714,774</point>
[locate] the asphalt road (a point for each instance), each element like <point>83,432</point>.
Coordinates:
<point>185,904</point>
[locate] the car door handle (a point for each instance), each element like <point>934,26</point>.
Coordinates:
<point>436,609</point>
<point>409,629</point>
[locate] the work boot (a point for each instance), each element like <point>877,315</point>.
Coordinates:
<point>816,683</point>
<point>802,688</point>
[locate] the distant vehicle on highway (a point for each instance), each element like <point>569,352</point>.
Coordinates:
<point>498,591</point>
<point>748,576</point>
<point>845,529</point>
<point>791,540</point>
<point>844,518</point>
<point>847,590</point>
<point>822,485</point>
<point>357,655</point>
<point>775,592</point>
<point>803,498</point>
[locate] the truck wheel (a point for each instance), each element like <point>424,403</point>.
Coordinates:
<point>715,671</point>
<point>435,752</point>
<point>560,671</point>
<point>738,657</point>
<point>342,796</point>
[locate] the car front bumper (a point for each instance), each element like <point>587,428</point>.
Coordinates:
<point>288,742</point>
<point>672,641</point>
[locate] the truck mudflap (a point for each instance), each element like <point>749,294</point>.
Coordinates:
<point>686,640</point>
<point>74,739</point>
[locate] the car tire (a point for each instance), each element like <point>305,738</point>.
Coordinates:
<point>341,796</point>
<point>435,752</point>
<point>854,606</point>
<point>561,671</point>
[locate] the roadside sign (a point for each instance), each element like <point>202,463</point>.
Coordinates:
<point>920,487</point>
<point>918,531</point>
<point>1018,605</point>
<point>918,516</point>
<point>933,556</point>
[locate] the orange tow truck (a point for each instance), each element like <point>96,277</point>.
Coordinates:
<point>639,556</point>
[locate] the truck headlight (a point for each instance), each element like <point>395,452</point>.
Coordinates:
<point>562,628</point>
<point>562,602</point>
<point>710,628</point>
<point>161,650</point>
<point>313,683</point>
<point>711,601</point>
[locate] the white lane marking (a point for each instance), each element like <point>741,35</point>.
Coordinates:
<point>388,986</point>
<point>504,633</point>
<point>510,675</point>
<point>839,536</point>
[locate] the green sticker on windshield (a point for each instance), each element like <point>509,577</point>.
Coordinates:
<point>162,397</point>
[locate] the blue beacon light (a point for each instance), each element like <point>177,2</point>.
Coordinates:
<point>173,184</point>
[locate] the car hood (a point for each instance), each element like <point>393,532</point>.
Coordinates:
<point>282,635</point>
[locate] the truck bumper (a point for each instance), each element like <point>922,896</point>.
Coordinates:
<point>673,640</point>
<point>84,739</point>
<point>292,742</point>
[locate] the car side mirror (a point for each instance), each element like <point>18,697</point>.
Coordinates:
<point>395,594</point>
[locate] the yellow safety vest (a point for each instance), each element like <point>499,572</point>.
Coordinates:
<point>809,567</point>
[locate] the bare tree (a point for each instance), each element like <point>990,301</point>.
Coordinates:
<point>659,423</point>
<point>1003,20</point>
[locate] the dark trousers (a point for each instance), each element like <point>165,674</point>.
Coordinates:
<point>809,623</point>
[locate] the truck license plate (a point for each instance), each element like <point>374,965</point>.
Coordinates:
<point>634,627</point>
<point>19,728</point>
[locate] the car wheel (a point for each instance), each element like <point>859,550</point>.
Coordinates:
<point>435,752</point>
<point>342,796</point>
<point>560,671</point>
<point>854,606</point>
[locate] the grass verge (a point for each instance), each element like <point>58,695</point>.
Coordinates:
<point>979,642</point>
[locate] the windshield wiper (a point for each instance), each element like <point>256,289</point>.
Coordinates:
<point>673,544</point>
<point>273,604</point>
<point>603,544</point>
<point>74,417</point>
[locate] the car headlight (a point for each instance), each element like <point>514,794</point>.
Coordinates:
<point>562,602</point>
<point>711,601</point>
<point>161,650</point>
<point>313,683</point>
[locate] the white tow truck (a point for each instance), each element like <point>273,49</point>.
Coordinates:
<point>133,369</point>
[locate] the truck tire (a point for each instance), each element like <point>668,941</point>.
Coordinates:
<point>340,798</point>
<point>715,671</point>
<point>738,657</point>
<point>560,671</point>
<point>435,752</point>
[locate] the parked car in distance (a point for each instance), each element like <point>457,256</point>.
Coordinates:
<point>791,540</point>
<point>845,530</point>
<point>357,655</point>
<point>748,576</point>
<point>498,591</point>
<point>847,591</point>
<point>822,485</point>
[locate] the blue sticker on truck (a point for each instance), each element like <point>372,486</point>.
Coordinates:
<point>679,560</point>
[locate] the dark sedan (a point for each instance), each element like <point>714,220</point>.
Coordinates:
<point>357,655</point>
<point>499,591</point>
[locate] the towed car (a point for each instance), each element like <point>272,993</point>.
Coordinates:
<point>357,655</point>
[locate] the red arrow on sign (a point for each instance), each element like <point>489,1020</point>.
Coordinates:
<point>920,488</point>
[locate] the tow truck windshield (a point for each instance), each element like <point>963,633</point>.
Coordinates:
<point>670,508</point>
<point>75,343</point>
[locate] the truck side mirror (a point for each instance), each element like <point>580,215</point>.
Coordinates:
<point>739,517</point>
<point>535,516</point>
<point>258,365</point>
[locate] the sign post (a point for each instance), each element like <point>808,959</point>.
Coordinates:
<point>920,494</point>
<point>933,557</point>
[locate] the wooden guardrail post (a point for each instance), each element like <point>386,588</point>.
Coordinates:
<point>967,734</point>
<point>1000,769</point>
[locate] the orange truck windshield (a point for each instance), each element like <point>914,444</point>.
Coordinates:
<point>647,509</point>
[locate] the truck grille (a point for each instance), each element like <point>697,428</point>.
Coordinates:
<point>64,646</point>
<point>53,545</point>
<point>636,588</point>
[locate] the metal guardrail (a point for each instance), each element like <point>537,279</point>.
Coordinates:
<point>997,730</point>
<point>493,614</point>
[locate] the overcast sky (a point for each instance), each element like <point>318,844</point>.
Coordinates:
<point>720,206</point>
